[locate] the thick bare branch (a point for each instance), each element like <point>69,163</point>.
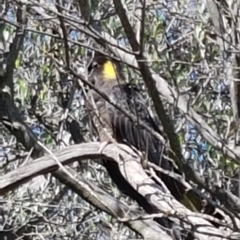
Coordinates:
<point>150,83</point>
<point>7,79</point>
<point>164,203</point>
<point>131,169</point>
<point>85,9</point>
<point>105,202</point>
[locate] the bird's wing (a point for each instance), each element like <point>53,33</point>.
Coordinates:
<point>130,132</point>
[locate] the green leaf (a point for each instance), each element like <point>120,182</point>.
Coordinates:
<point>17,63</point>
<point>158,29</point>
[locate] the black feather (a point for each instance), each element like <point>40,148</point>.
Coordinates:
<point>127,131</point>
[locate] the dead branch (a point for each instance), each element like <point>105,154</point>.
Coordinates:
<point>131,169</point>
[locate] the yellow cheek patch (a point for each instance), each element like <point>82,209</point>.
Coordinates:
<point>109,72</point>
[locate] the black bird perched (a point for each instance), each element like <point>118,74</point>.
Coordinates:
<point>111,122</point>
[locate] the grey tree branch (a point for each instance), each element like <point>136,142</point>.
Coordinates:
<point>131,169</point>
<point>105,202</point>
<point>7,79</point>
<point>85,9</point>
<point>150,83</point>
<point>165,204</point>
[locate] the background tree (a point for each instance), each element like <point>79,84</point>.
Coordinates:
<point>184,55</point>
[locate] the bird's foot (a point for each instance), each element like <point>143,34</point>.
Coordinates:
<point>102,146</point>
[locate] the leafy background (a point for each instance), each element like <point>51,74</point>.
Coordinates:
<point>178,46</point>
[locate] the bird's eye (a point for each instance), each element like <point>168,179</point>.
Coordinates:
<point>95,65</point>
